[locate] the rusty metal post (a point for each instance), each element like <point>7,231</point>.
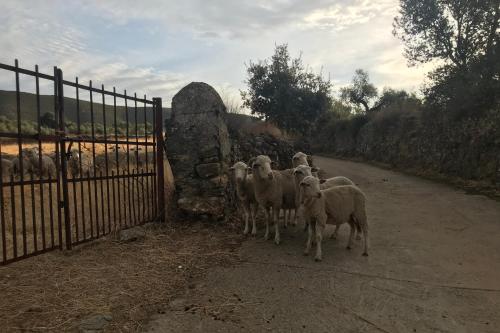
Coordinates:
<point>63,156</point>
<point>160,174</point>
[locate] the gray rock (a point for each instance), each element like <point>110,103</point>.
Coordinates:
<point>198,140</point>
<point>94,323</point>
<point>208,170</point>
<point>132,234</point>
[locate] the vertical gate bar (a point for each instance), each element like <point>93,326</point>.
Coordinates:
<point>33,212</point>
<point>155,160</point>
<point>143,194</point>
<point>80,161</point>
<point>128,160</point>
<point>75,209</point>
<point>64,160</point>
<point>147,161</point>
<point>117,158</point>
<point>51,212</point>
<point>102,202</point>
<point>159,158</point>
<point>58,162</point>
<point>13,213</point>
<point>146,135</point>
<point>137,163</point>
<point>93,160</point>
<point>90,205</point>
<point>39,130</point>
<point>114,199</point>
<point>2,213</point>
<point>121,188</point>
<point>106,156</point>
<point>21,158</point>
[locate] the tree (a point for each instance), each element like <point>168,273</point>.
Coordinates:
<point>361,92</point>
<point>456,31</point>
<point>48,120</point>
<point>283,92</point>
<point>464,36</point>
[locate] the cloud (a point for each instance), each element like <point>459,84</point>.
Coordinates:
<point>157,46</point>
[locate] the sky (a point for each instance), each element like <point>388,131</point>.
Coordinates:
<point>156,47</point>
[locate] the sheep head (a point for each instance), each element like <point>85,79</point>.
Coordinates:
<point>239,170</point>
<point>310,188</point>
<point>261,167</point>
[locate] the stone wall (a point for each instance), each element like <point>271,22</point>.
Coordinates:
<point>198,149</point>
<point>468,149</point>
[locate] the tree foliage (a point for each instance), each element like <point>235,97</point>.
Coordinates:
<point>282,91</point>
<point>361,92</point>
<point>464,35</point>
<point>456,31</point>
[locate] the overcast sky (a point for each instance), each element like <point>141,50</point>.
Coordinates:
<point>156,47</point>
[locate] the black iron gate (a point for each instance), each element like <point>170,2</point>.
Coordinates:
<point>74,168</point>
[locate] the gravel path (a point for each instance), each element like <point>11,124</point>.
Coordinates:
<point>434,266</point>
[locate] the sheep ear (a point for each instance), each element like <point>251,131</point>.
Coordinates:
<point>231,168</point>
<point>314,169</point>
<point>251,161</point>
<point>319,195</point>
<point>321,181</point>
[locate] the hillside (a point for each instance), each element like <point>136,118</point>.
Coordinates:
<point>28,109</point>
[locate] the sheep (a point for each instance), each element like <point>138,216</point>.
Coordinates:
<point>289,193</point>
<point>299,159</point>
<point>7,168</point>
<point>16,164</point>
<point>303,171</point>
<point>335,205</point>
<point>74,162</point>
<point>48,167</point>
<point>268,191</point>
<point>303,159</point>
<point>245,193</point>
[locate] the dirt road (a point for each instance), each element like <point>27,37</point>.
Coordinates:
<point>434,266</point>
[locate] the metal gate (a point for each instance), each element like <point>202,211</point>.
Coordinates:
<point>74,168</point>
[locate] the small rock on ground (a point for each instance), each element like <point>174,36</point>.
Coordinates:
<point>94,323</point>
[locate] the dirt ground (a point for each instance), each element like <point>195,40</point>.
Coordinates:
<point>129,281</point>
<point>434,266</point>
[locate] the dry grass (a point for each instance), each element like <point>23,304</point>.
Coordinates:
<point>93,207</point>
<point>129,281</point>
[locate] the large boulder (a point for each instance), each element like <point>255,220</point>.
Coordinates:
<point>198,148</point>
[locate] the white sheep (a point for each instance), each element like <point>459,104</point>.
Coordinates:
<point>245,193</point>
<point>268,192</point>
<point>335,205</point>
<point>290,205</point>
<point>48,167</point>
<point>7,169</point>
<point>303,159</point>
<point>74,162</point>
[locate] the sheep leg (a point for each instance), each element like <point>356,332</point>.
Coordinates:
<point>285,217</point>
<point>294,220</point>
<point>267,216</point>
<point>246,213</point>
<point>358,236</point>
<point>319,237</point>
<point>351,236</point>
<point>364,229</point>
<point>276,226</point>
<point>309,239</point>
<point>336,232</point>
<point>253,212</point>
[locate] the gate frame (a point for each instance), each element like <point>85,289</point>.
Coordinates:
<point>59,138</point>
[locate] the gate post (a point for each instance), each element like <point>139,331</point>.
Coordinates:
<point>160,144</point>
<point>62,155</point>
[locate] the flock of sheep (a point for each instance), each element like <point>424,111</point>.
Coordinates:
<point>79,162</point>
<point>299,191</point>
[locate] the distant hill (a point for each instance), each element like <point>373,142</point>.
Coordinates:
<point>28,103</point>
